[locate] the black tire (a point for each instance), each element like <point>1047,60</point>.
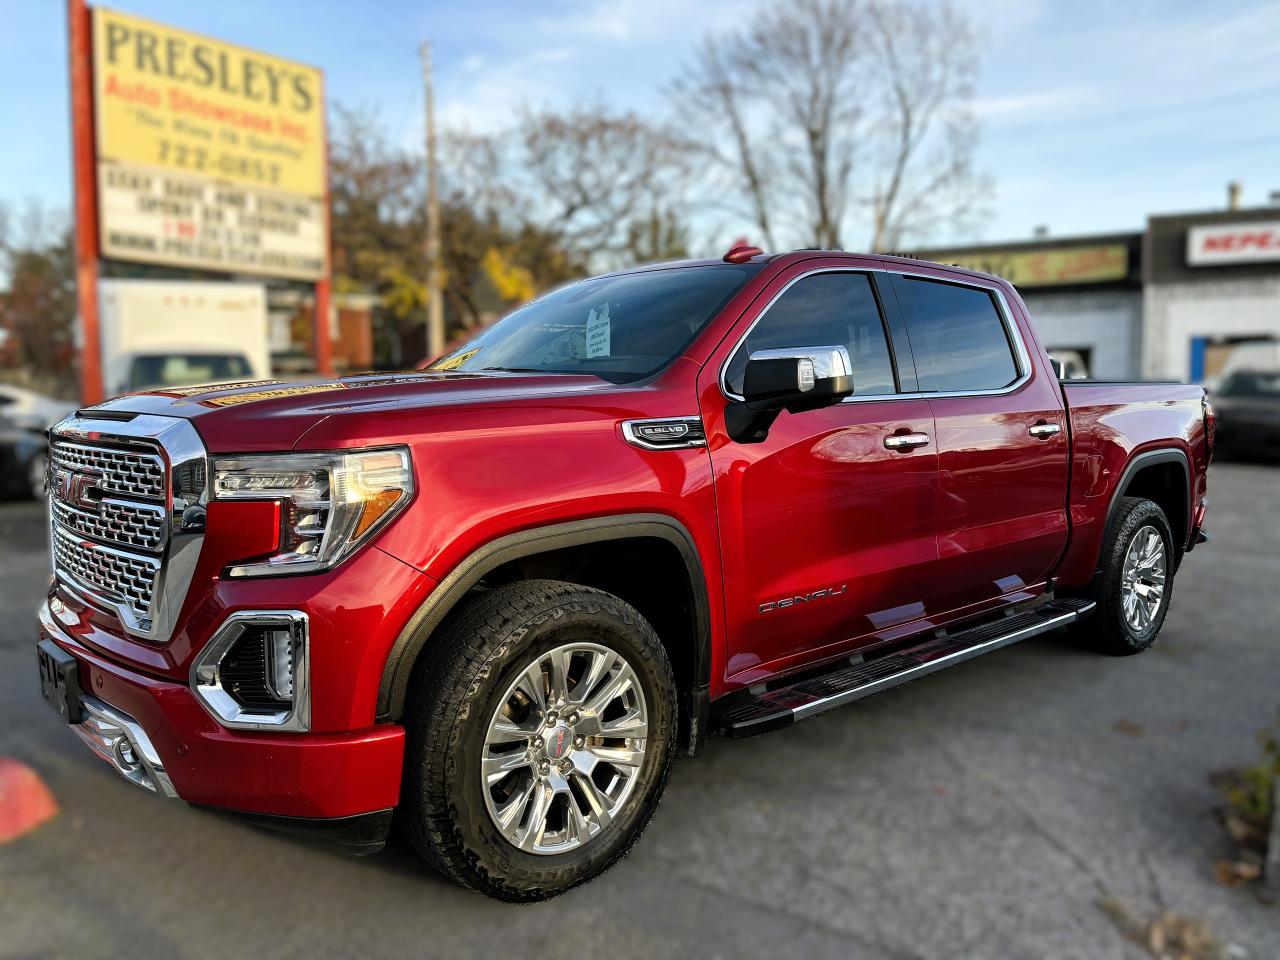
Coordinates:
<point>458,684</point>
<point>1108,631</point>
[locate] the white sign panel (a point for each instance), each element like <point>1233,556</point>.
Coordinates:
<point>163,217</point>
<point>1231,243</point>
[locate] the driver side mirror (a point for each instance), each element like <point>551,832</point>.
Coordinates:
<point>794,379</point>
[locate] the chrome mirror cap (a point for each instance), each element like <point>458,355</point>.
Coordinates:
<point>814,364</point>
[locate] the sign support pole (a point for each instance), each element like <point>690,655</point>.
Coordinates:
<point>79,52</point>
<point>324,355</point>
<point>323,348</point>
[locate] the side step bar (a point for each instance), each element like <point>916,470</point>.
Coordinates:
<point>811,696</point>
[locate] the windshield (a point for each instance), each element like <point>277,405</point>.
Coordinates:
<point>185,370</point>
<point>619,328</point>
<point>1248,383</point>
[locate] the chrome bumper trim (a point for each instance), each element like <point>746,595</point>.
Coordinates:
<point>119,740</point>
<point>206,674</point>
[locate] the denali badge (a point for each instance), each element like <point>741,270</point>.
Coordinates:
<point>802,598</point>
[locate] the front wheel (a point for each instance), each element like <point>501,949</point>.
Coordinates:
<point>541,731</point>
<point>1135,584</point>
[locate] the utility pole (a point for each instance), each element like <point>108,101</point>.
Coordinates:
<point>84,160</point>
<point>435,297</point>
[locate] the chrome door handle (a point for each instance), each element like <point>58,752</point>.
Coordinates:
<point>1043,431</point>
<point>906,441</point>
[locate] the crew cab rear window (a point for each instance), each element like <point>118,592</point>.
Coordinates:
<point>958,339</point>
<point>825,309</point>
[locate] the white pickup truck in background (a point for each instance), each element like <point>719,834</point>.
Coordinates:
<point>162,333</point>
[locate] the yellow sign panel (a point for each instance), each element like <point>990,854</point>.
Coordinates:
<point>1043,268</point>
<point>209,155</point>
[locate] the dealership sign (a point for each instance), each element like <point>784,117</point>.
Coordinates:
<point>208,155</point>
<point>1233,243</point>
<point>1055,266</point>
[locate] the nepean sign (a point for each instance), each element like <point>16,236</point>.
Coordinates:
<point>208,155</point>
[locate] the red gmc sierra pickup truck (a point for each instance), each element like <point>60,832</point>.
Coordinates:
<point>498,596</point>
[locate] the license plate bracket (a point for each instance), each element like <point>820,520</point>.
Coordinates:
<point>60,680</point>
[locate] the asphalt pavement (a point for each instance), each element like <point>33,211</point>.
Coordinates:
<point>983,812</point>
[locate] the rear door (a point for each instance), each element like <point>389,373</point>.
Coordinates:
<point>1001,438</point>
<point>827,534</point>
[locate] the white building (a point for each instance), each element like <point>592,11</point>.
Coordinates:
<point>1211,283</point>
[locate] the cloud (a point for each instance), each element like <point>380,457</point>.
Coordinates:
<point>1035,103</point>
<point>645,20</point>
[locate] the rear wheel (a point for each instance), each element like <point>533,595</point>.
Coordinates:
<point>1135,584</point>
<point>541,732</point>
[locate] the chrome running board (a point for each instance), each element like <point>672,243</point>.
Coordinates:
<point>812,695</point>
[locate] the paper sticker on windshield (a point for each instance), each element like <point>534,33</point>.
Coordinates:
<point>598,332</point>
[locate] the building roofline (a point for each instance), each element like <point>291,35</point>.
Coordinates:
<point>1042,243</point>
<point>1221,215</point>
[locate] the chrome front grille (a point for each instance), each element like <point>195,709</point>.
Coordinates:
<point>113,575</point>
<point>108,506</point>
<point>129,473</point>
<point>117,522</point>
<point>127,498</point>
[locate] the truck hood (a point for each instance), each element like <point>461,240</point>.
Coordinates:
<point>271,415</point>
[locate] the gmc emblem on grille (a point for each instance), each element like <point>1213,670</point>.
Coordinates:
<point>77,489</point>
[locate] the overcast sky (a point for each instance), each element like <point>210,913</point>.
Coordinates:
<point>1093,114</point>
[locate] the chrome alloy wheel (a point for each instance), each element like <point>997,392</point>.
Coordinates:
<point>1143,578</point>
<point>564,747</point>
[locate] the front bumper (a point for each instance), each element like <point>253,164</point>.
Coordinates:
<point>157,735</point>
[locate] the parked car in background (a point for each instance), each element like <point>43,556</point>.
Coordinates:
<point>26,408</point>
<point>1253,357</point>
<point>23,459</point>
<point>503,593</point>
<point>25,416</point>
<point>1071,363</point>
<point>1248,406</point>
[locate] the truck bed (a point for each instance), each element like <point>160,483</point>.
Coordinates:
<point>1111,423</point>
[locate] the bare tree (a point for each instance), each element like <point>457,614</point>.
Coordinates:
<point>589,175</point>
<point>925,133</point>
<point>712,98</point>
<point>826,113</point>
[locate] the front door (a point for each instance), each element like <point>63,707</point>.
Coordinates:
<point>827,534</point>
<point>1001,435</point>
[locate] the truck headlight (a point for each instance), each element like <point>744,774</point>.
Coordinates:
<point>333,502</point>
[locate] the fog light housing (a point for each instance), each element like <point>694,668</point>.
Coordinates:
<point>255,672</point>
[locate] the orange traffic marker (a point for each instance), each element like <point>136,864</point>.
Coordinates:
<point>25,801</point>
